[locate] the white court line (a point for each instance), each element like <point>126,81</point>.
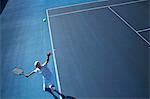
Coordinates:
<point>129,25</point>
<point>94,8</point>
<point>77,4</point>
<point>54,58</point>
<point>144,30</point>
<point>127,3</point>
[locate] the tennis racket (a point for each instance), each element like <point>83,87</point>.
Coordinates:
<point>18,71</point>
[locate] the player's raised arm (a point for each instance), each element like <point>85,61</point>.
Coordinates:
<point>47,57</point>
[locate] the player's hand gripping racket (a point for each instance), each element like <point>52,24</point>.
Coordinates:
<point>18,71</point>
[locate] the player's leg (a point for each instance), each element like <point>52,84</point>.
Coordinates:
<point>45,88</point>
<point>52,87</point>
<point>50,91</point>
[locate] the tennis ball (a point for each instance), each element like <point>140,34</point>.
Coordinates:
<point>44,19</point>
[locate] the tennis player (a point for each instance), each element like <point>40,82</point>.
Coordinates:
<point>48,80</point>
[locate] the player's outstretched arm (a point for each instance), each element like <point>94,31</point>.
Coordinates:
<point>28,75</point>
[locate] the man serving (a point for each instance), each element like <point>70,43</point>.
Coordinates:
<point>48,80</point>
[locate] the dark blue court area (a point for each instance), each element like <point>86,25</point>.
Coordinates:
<point>102,48</point>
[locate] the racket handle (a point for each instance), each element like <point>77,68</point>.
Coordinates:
<point>24,75</point>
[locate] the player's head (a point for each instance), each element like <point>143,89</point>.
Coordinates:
<point>37,64</point>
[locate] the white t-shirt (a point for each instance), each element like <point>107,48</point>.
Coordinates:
<point>46,73</point>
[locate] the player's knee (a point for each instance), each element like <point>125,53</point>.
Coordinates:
<point>52,87</point>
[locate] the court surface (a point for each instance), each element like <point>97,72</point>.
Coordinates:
<point>24,39</point>
<point>102,49</point>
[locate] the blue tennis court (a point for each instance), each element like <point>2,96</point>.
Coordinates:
<point>102,48</point>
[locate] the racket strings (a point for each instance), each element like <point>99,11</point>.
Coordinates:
<point>17,71</point>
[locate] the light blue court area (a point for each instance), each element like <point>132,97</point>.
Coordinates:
<point>25,38</point>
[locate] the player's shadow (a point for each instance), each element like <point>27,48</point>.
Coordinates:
<point>69,97</point>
